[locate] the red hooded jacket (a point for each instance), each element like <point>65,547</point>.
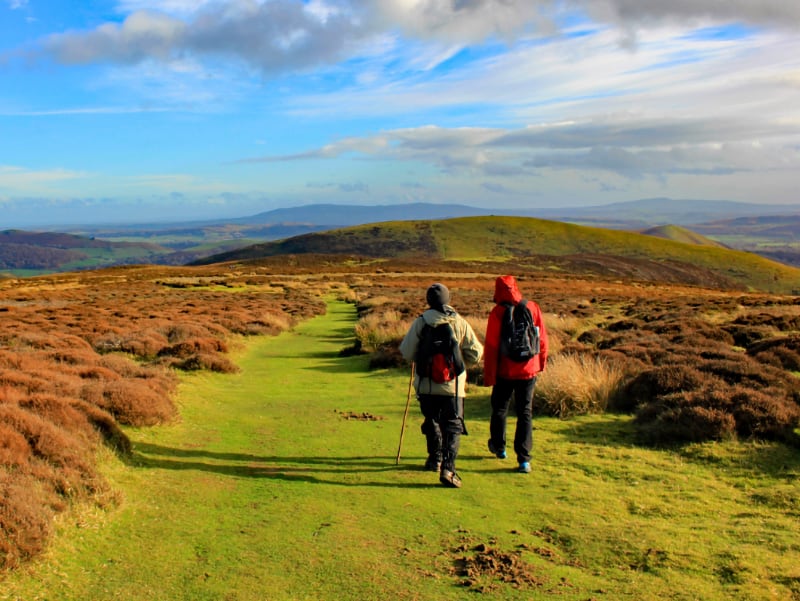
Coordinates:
<point>495,365</point>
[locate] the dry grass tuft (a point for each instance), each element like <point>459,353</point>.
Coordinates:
<point>380,328</point>
<point>577,385</point>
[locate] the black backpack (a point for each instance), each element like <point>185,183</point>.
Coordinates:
<point>519,336</point>
<point>438,354</point>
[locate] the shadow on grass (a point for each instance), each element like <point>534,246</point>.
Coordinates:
<point>300,469</point>
<point>333,363</point>
<point>743,459</point>
<point>329,361</point>
<point>616,431</point>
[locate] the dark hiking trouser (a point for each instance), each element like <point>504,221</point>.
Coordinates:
<point>443,426</point>
<point>522,391</point>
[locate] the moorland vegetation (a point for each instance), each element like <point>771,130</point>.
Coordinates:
<point>84,355</point>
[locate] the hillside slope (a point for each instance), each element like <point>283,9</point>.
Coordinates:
<point>677,233</point>
<point>23,250</point>
<point>548,244</point>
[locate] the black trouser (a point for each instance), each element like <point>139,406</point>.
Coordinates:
<point>443,426</point>
<point>522,391</point>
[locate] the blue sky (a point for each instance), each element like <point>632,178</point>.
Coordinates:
<point>146,110</point>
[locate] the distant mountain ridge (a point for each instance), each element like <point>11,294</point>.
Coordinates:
<point>338,215</point>
<point>634,214</point>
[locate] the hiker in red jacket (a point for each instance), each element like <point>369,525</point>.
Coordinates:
<point>509,377</point>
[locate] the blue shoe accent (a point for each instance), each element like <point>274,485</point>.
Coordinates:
<point>524,468</point>
<point>501,454</point>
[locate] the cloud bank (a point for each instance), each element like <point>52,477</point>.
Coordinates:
<point>628,148</point>
<point>286,35</point>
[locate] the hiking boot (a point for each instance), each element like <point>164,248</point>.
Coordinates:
<point>500,454</point>
<point>450,479</point>
<point>433,464</point>
<point>524,468</point>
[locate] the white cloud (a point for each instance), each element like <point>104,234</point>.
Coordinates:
<point>465,22</point>
<point>275,36</point>
<point>782,13</point>
<point>349,187</point>
<point>24,179</point>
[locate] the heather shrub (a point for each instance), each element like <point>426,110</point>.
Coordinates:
<point>144,344</point>
<point>26,515</point>
<point>60,456</point>
<point>742,371</point>
<point>781,352</point>
<point>745,335</point>
<point>623,325</point>
<point>14,448</point>
<point>656,382</point>
<point>678,418</point>
<point>98,372</point>
<point>764,415</point>
<point>182,331</point>
<point>641,352</point>
<point>130,402</point>
<point>593,337</point>
<point>189,347</point>
<point>58,411</point>
<point>688,329</point>
<point>629,362</point>
<point>577,385</point>
<point>105,424</point>
<point>782,323</point>
<point>20,381</point>
<point>204,361</point>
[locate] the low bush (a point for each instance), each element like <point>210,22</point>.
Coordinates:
<point>657,382</point>
<point>783,352</point>
<point>680,418</point>
<point>766,415</point>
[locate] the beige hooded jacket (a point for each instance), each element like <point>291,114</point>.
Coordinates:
<point>471,350</point>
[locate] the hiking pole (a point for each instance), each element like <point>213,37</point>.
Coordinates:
<point>405,414</point>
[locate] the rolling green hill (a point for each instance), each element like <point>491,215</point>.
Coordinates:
<point>677,233</point>
<point>24,253</point>
<point>548,244</point>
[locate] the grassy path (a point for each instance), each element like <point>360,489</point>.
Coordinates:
<point>266,491</point>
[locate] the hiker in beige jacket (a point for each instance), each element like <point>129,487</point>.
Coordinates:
<point>441,344</point>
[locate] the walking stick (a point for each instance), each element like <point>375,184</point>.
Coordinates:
<point>405,415</point>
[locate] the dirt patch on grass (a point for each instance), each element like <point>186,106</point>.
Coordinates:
<point>362,416</point>
<point>483,568</point>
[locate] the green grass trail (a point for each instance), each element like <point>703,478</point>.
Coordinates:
<point>265,490</point>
